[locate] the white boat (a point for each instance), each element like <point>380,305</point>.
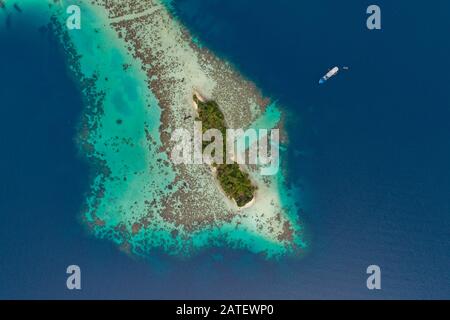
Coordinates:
<point>329,74</point>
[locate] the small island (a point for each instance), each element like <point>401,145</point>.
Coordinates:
<point>138,197</point>
<point>234,181</point>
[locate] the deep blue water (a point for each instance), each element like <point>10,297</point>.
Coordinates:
<point>371,150</point>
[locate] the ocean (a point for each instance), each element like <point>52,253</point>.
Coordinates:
<point>370,150</point>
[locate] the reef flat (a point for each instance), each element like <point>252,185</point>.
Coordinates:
<point>138,68</point>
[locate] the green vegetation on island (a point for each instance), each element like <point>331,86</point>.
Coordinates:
<point>235,183</point>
